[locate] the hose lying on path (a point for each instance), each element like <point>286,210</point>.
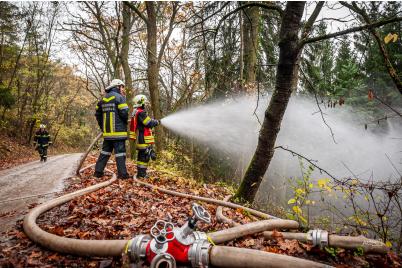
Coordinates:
<point>222,218</point>
<point>221,256</point>
<point>204,199</point>
<point>106,248</point>
<point>207,200</point>
<point>347,242</point>
<point>113,247</point>
<point>222,236</point>
<point>84,156</point>
<point>69,245</point>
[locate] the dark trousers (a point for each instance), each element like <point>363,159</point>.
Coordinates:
<point>142,163</point>
<point>119,147</point>
<point>42,152</point>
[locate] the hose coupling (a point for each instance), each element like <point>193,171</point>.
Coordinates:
<point>198,254</point>
<point>138,246</point>
<point>318,237</point>
<point>163,260</point>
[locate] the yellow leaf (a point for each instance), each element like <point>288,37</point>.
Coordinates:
<point>387,38</point>
<point>390,37</point>
<point>300,191</point>
<point>291,201</point>
<point>388,244</point>
<point>322,183</point>
<point>303,219</point>
<point>297,210</point>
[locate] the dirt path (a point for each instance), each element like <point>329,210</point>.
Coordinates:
<point>31,179</point>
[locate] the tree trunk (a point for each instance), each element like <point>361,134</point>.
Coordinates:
<point>251,19</point>
<point>153,71</point>
<point>125,47</point>
<point>286,78</point>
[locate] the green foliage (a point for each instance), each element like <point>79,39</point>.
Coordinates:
<point>359,251</point>
<point>318,63</point>
<point>35,88</point>
<point>302,188</point>
<point>7,99</point>
<point>332,251</point>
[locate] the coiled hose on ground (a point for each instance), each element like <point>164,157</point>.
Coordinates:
<point>220,256</point>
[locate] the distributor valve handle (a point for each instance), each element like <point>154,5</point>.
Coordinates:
<point>201,213</point>
<point>162,231</point>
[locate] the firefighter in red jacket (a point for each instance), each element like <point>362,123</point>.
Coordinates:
<point>141,130</point>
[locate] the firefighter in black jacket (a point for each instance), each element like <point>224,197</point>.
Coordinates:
<point>42,141</point>
<point>112,116</point>
<point>140,130</point>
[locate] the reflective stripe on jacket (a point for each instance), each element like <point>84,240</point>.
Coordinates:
<point>140,128</point>
<point>112,115</point>
<point>42,138</point>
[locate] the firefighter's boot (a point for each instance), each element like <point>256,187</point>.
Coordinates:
<point>142,173</point>
<point>120,154</point>
<point>104,156</point>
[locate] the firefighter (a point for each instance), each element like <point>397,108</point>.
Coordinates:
<point>42,142</point>
<point>141,130</point>
<point>112,116</point>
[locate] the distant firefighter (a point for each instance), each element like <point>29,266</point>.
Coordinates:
<point>141,130</point>
<point>42,142</point>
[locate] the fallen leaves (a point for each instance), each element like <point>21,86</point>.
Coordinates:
<point>12,153</point>
<point>125,209</point>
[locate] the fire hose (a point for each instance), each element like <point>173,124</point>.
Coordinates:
<point>167,243</point>
<point>318,237</point>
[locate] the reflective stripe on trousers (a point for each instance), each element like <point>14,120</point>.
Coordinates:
<point>119,147</point>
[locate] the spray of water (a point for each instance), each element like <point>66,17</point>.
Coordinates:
<point>230,126</point>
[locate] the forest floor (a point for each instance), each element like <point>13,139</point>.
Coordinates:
<point>125,209</point>
<point>13,153</point>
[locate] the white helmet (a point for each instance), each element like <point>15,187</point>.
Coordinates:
<point>42,126</point>
<point>139,100</point>
<point>115,83</point>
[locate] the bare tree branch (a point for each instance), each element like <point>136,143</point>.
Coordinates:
<point>351,30</point>
<point>135,9</point>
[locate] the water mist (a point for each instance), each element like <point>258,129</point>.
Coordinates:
<point>232,127</point>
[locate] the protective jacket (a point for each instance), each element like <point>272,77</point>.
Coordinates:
<point>112,115</point>
<point>42,138</point>
<point>140,128</point>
